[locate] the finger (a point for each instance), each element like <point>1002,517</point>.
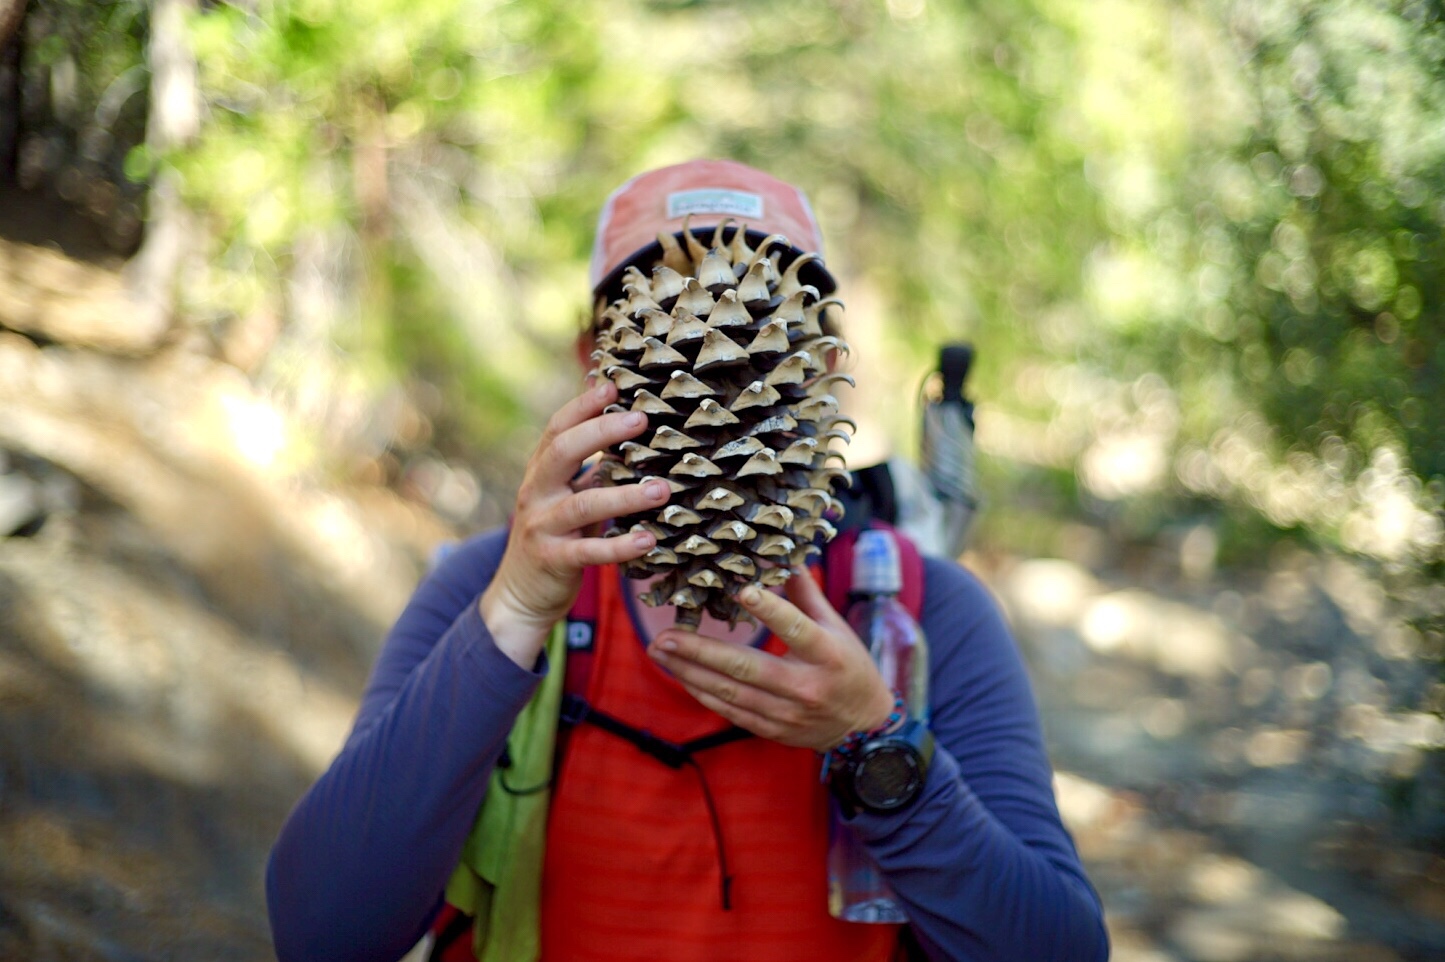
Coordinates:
<point>724,669</point>
<point>585,508</point>
<point>739,716</point>
<point>803,636</point>
<point>583,407</point>
<point>584,552</point>
<point>564,453</point>
<point>727,689</point>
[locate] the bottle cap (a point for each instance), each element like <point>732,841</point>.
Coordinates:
<point>877,569</point>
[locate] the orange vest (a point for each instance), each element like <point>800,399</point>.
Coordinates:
<point>633,869</point>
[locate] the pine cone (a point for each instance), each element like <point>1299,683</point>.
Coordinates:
<point>726,353</point>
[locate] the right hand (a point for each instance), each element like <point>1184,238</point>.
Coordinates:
<point>550,541</point>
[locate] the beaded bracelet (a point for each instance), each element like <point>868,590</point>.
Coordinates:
<point>858,739</point>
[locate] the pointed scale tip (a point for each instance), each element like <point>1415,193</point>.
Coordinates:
<point>682,384</point>
<point>762,254</point>
<point>673,256</point>
<point>695,251</point>
<point>639,299</point>
<point>719,350</point>
<point>666,283</point>
<point>649,403</point>
<point>695,299</point>
<point>717,236</point>
<point>716,272</point>
<point>753,289</point>
<point>659,354</point>
<point>710,414</point>
<point>741,252</point>
<point>771,339</point>
<point>789,284</point>
<point>729,312</point>
<point>687,329</point>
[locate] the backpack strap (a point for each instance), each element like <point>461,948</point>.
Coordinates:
<point>582,632</point>
<point>576,711</point>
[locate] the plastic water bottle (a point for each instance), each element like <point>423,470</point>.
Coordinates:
<point>857,891</point>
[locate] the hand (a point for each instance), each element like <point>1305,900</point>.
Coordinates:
<point>823,689</point>
<point>550,541</point>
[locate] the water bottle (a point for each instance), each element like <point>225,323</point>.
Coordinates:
<point>857,891</point>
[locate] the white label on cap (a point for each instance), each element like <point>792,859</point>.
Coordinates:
<point>714,200</point>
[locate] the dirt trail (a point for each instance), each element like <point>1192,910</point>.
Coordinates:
<point>1223,750</point>
<point>184,627</point>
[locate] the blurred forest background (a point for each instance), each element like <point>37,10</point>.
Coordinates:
<point>287,288</point>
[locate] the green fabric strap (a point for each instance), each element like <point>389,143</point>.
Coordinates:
<point>499,879</point>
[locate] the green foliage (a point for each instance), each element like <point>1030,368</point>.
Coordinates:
<point>1319,236</point>
<point>1213,228</point>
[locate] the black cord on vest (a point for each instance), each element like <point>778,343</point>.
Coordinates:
<point>504,764</point>
<point>576,711</point>
<point>717,836</point>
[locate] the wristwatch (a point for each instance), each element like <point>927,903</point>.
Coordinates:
<point>885,773</point>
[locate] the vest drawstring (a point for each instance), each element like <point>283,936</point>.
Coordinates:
<point>576,711</point>
<point>717,836</point>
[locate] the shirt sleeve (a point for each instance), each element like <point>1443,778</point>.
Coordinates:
<point>982,862</point>
<point>359,867</point>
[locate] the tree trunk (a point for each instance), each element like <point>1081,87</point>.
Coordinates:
<point>174,119</point>
<point>11,13</point>
<point>12,18</point>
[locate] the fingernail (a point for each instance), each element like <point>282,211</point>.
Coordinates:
<point>750,595</point>
<point>665,644</point>
<point>643,540</point>
<point>655,489</point>
<point>602,388</point>
<point>635,420</point>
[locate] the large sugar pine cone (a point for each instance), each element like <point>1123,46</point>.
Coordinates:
<point>726,353</point>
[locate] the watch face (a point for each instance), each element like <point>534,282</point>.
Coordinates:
<point>887,777</point>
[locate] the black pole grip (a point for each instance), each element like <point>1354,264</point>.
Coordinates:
<point>954,361</point>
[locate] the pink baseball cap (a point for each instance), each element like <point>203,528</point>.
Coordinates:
<point>710,191</point>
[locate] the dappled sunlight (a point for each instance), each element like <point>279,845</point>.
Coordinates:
<point>1050,591</point>
<point>1384,512</point>
<point>1224,908</point>
<point>175,676</point>
<point>256,429</point>
<point>1177,639</point>
<point>1218,738</point>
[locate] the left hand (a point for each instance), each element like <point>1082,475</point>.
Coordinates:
<point>823,689</point>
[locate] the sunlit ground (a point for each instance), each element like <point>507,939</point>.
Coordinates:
<point>1222,745</point>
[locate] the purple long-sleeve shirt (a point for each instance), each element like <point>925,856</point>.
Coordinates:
<point>982,862</point>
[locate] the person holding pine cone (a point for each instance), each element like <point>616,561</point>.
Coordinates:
<point>600,734</point>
